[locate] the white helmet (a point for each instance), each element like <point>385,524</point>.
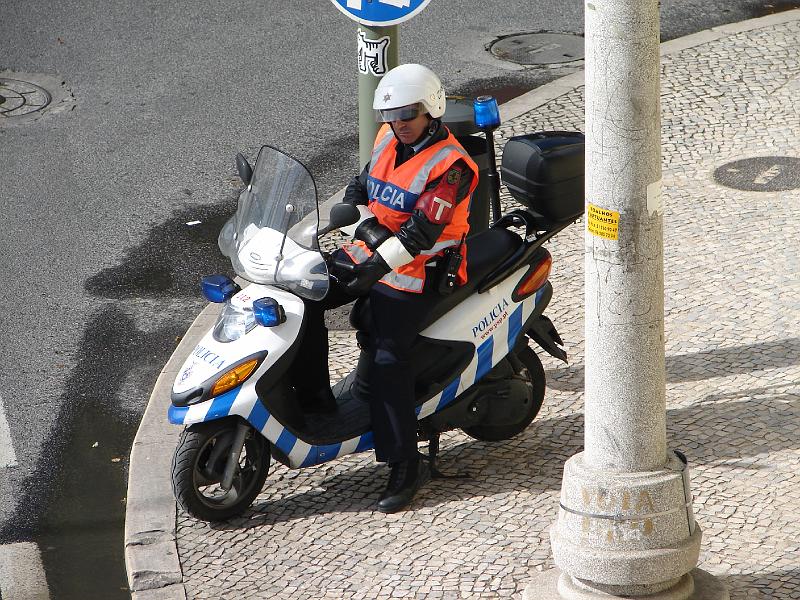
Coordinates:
<point>408,85</point>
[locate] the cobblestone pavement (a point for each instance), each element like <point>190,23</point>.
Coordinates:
<point>733,367</point>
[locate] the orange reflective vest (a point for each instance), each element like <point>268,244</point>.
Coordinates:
<point>393,194</point>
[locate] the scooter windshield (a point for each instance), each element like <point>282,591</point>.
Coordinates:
<point>272,237</point>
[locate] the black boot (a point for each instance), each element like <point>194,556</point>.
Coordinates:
<point>405,479</point>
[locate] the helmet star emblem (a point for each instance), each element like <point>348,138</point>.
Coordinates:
<point>387,97</point>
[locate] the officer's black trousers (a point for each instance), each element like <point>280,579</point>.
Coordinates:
<point>394,327</point>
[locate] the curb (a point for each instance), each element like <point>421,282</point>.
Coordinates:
<point>151,554</point>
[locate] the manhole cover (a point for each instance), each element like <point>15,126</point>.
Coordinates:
<point>539,48</point>
<point>761,174</point>
<point>24,97</point>
<point>19,98</point>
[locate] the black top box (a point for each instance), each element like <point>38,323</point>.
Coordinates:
<point>545,172</point>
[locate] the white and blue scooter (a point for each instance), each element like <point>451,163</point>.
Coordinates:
<point>474,368</point>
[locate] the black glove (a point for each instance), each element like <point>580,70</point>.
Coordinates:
<point>372,233</point>
<point>367,274</point>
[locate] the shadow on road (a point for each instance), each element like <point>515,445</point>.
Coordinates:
<point>763,584</point>
<point>74,506</point>
<point>171,260</point>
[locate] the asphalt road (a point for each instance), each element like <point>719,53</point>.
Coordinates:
<point>100,269</point>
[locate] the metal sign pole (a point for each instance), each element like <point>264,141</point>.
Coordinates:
<point>377,54</point>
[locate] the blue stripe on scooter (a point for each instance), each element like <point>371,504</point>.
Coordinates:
<point>329,452</point>
<point>286,441</point>
<point>177,414</point>
<point>311,457</point>
<point>449,393</point>
<point>365,443</point>
<point>539,294</point>
<point>485,351</point>
<point>258,416</point>
<point>514,327</point>
<point>221,405</point>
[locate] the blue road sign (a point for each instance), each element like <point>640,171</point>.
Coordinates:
<point>380,13</point>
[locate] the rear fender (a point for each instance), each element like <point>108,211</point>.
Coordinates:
<point>542,331</point>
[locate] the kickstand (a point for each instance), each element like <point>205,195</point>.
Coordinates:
<point>432,458</point>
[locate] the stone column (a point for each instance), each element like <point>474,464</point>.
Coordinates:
<point>625,526</point>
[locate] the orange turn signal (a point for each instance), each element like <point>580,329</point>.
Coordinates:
<point>236,376</point>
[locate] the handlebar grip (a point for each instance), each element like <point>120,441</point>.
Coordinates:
<point>344,265</point>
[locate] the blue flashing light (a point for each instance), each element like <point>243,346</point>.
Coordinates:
<point>268,312</point>
<point>218,288</point>
<point>487,114</point>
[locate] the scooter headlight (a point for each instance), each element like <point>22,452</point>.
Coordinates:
<point>233,322</point>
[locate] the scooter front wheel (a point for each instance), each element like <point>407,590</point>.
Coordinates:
<point>198,467</point>
<point>533,373</point>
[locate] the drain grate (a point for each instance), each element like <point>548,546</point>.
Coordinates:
<point>539,48</point>
<point>760,174</point>
<point>19,98</point>
<point>25,97</point>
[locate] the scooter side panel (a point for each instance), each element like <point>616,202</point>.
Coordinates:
<point>492,322</point>
<point>298,452</point>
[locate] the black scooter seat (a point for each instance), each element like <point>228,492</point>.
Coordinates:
<point>485,252</point>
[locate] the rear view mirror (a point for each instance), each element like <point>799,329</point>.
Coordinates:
<point>244,168</point>
<point>344,214</point>
<point>341,215</point>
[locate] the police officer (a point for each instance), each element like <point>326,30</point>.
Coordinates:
<point>414,200</point>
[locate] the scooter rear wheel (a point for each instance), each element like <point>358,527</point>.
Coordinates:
<point>199,463</point>
<point>533,371</point>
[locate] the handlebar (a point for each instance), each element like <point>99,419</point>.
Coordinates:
<point>344,265</point>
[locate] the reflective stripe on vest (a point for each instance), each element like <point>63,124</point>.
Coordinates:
<point>439,246</point>
<point>380,144</point>
<point>407,283</point>
<point>357,252</point>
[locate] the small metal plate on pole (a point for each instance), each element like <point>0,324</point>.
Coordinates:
<point>760,174</point>
<point>539,48</point>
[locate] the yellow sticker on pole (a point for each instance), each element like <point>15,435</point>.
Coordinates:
<point>602,222</point>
